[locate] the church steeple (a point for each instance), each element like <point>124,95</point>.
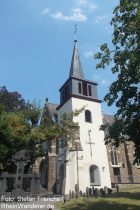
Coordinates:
<point>76,67</point>
<point>76,85</point>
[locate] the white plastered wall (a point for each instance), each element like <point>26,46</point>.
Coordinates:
<point>99,153</point>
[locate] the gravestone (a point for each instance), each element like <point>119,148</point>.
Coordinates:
<point>90,192</point>
<point>20,183</point>
<point>70,194</point>
<point>3,183</point>
<point>87,191</point>
<point>106,189</point>
<point>20,159</point>
<point>102,192</point>
<point>93,191</point>
<point>98,193</point>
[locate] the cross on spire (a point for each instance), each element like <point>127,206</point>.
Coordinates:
<point>75,32</point>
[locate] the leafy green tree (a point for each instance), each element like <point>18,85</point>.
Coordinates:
<point>14,135</point>
<point>125,91</point>
<point>11,101</point>
<point>18,127</point>
<point>32,113</point>
<point>22,128</point>
<point>68,128</point>
<point>14,102</point>
<point>65,129</point>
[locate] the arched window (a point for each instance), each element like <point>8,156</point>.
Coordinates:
<point>94,175</point>
<point>88,117</point>
<point>114,156</point>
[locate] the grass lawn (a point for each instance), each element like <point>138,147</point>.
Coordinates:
<point>127,199</point>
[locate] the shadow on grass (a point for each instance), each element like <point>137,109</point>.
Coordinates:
<point>134,195</point>
<point>101,205</point>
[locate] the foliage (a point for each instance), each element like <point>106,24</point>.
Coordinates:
<point>18,127</point>
<point>125,91</point>
<point>22,128</point>
<point>32,113</point>
<point>14,135</point>
<point>11,101</point>
<point>66,128</point>
<point>14,102</point>
<point>17,133</point>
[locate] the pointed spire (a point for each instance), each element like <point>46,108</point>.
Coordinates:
<point>46,118</point>
<point>76,67</point>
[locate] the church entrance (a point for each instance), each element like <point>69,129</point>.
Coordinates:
<point>94,175</point>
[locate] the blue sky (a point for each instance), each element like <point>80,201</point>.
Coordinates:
<point>36,44</point>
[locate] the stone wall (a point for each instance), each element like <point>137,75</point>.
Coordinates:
<point>52,174</point>
<point>52,166</point>
<point>129,173</point>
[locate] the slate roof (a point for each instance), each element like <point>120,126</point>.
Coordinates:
<point>76,67</point>
<point>47,115</point>
<point>108,118</point>
<point>52,108</point>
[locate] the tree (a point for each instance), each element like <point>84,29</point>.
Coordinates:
<point>14,102</point>
<point>125,91</point>
<point>66,128</point>
<point>27,126</point>
<point>69,128</point>
<point>11,101</point>
<point>18,127</point>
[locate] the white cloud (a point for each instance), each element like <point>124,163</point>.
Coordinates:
<point>45,11</point>
<point>105,82</point>
<point>99,19</point>
<point>93,6</point>
<point>102,81</point>
<point>82,2</point>
<point>87,4</point>
<point>89,54</point>
<point>76,15</point>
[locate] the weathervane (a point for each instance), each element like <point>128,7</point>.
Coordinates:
<point>75,31</point>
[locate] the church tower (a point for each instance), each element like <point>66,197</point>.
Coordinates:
<point>86,167</point>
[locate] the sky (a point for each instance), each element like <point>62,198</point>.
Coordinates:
<point>36,44</point>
